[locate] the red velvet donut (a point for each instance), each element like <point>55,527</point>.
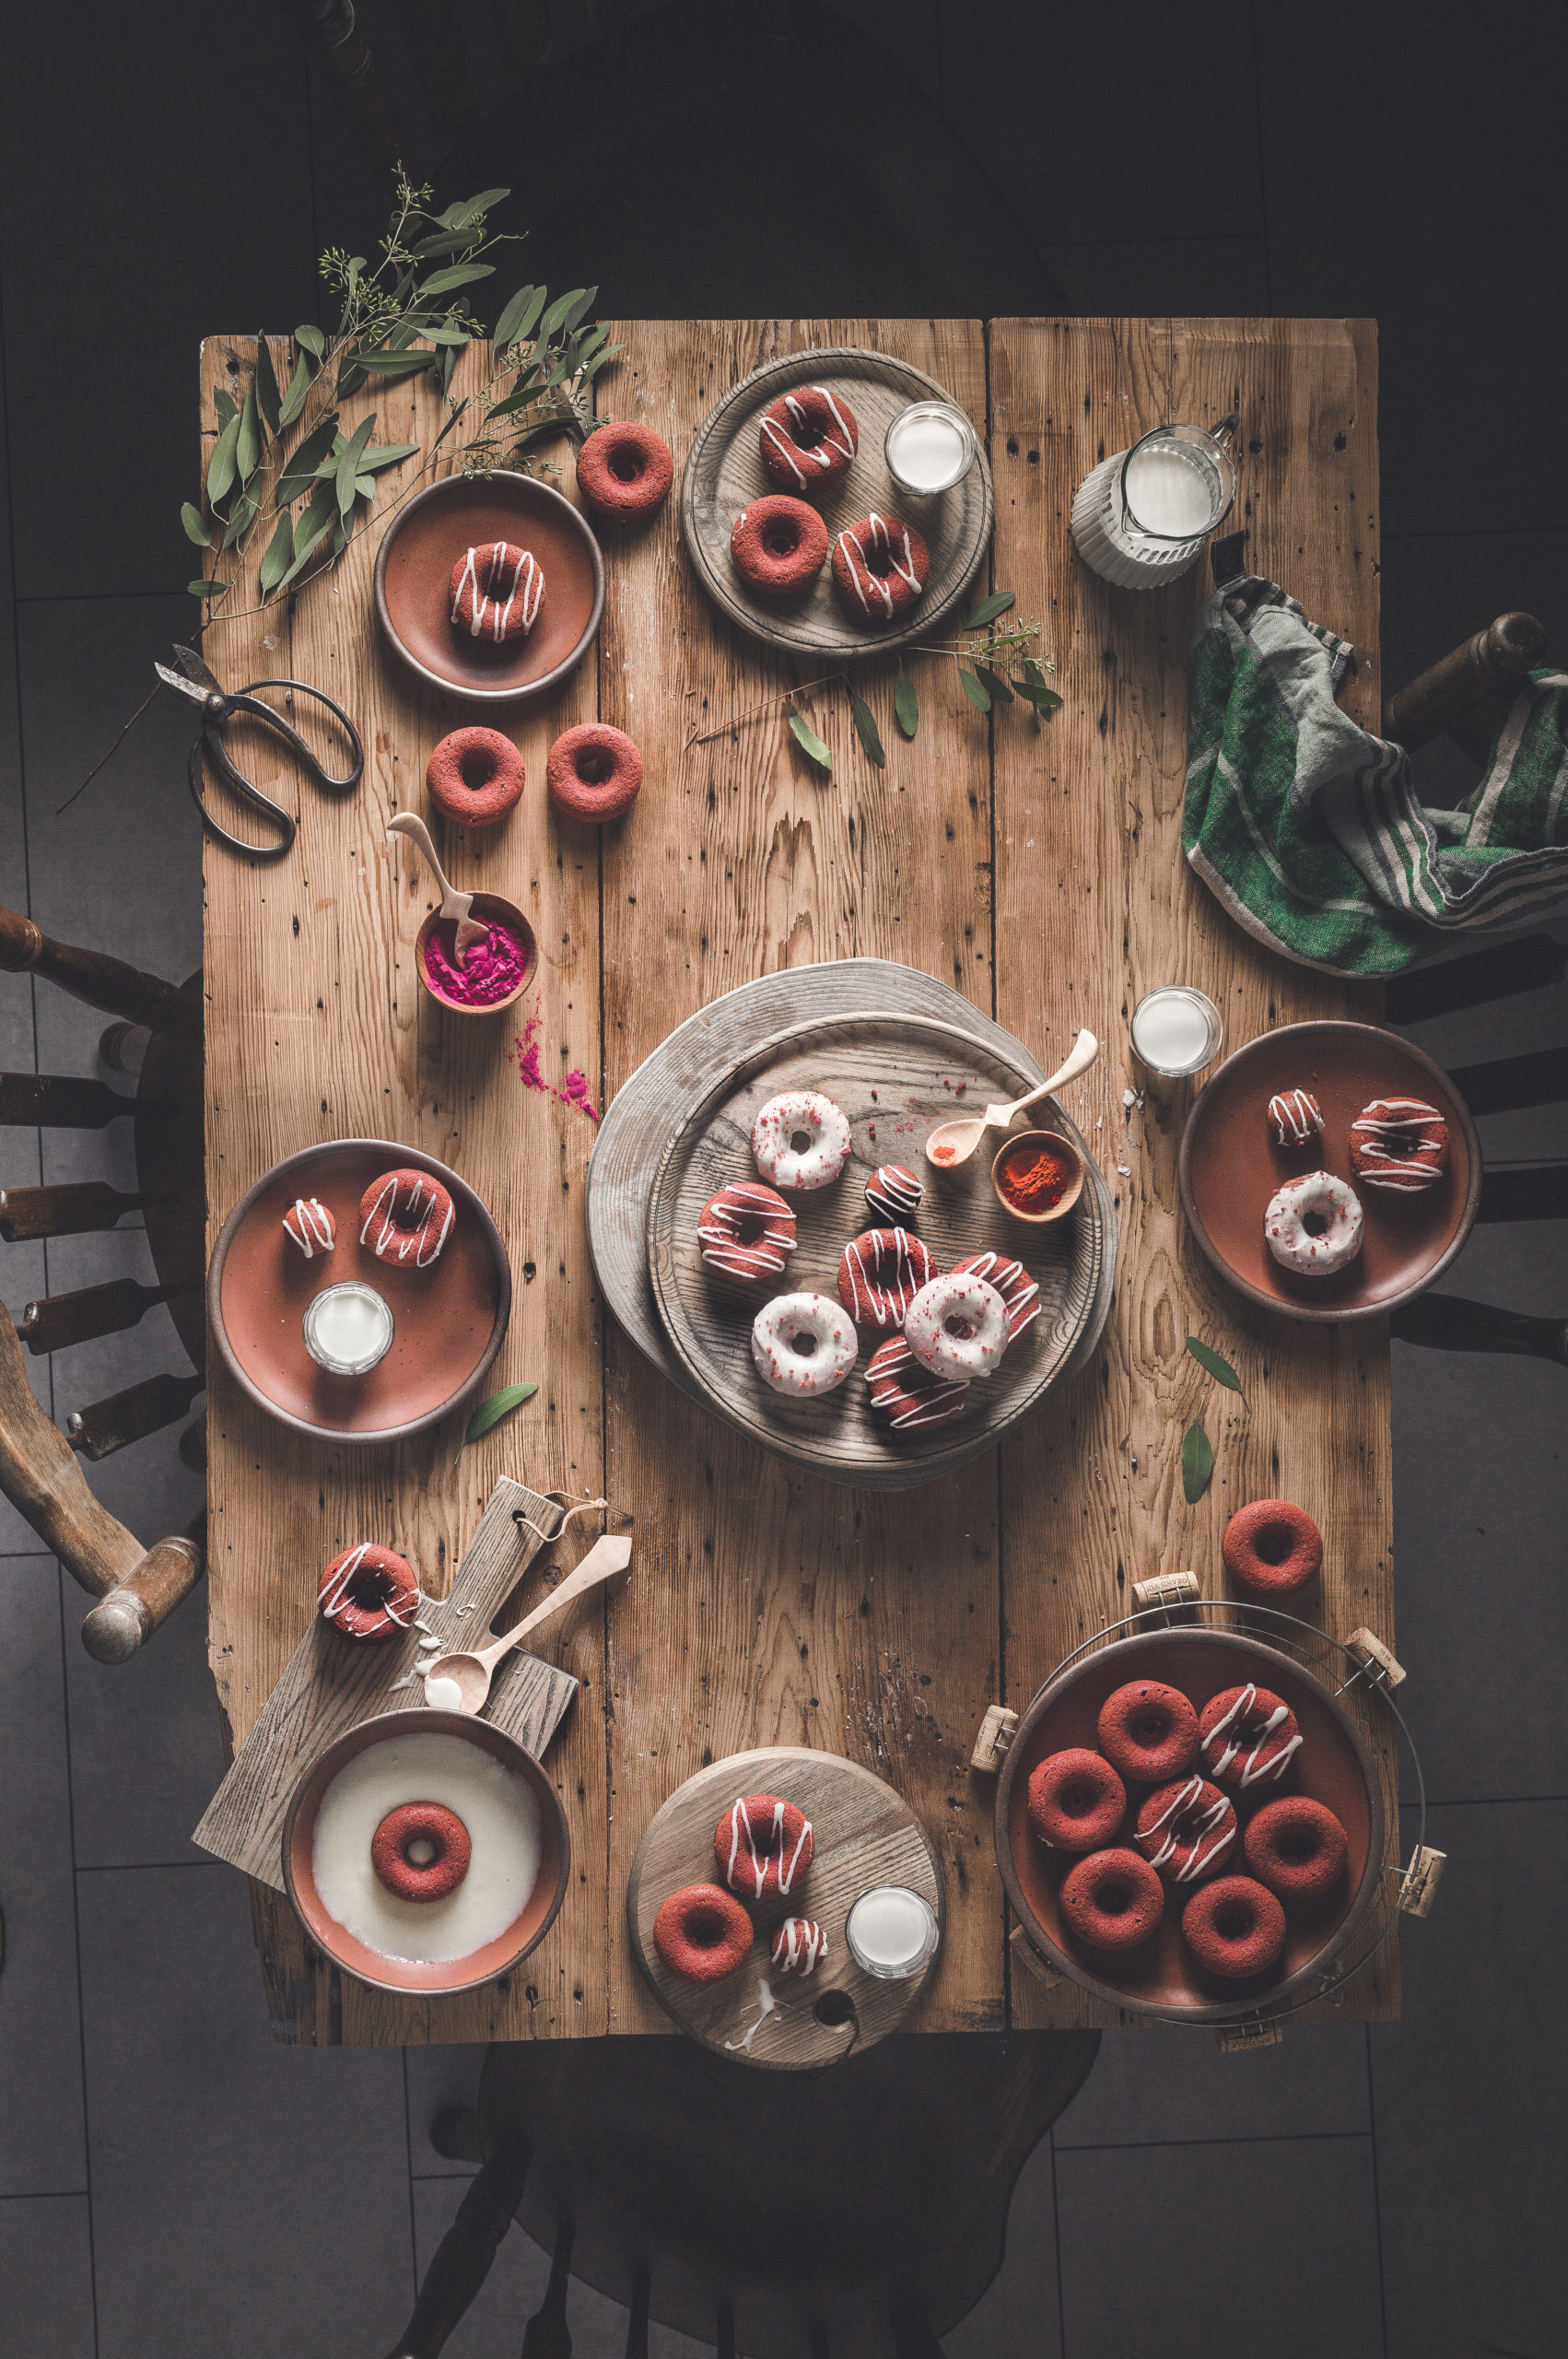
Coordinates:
<point>1113,1900</point>
<point>881,1273</point>
<point>1076,1801</point>
<point>1272,1548</point>
<point>1297,1847</point>
<point>405,1217</point>
<point>1019,1291</point>
<point>808,439</point>
<point>778,547</point>
<point>879,568</point>
<point>763,1845</point>
<point>702,1934</point>
<point>496,592</point>
<point>368,1593</point>
<point>1248,1737</point>
<point>1148,1732</point>
<point>747,1232</point>
<point>475,776</point>
<point>1187,1830</point>
<point>425,1824</point>
<point>1234,1927</point>
<point>593,771</point>
<point>906,1393</point>
<point>625,470</point>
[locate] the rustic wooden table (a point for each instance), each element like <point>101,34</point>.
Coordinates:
<point>1039,872</point>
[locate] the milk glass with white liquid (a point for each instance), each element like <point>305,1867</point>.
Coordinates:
<point>1177,1031</point>
<point>348,1327</point>
<point>930,447</point>
<point>1141,517</point>
<point>892,1932</point>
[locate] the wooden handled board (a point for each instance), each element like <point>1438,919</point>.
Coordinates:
<point>331,1685</point>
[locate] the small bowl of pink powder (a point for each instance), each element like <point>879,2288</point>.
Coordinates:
<point>496,970</point>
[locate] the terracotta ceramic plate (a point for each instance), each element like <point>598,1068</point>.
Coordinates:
<point>527,1930</point>
<point>1229,1168</point>
<point>1162,1977</point>
<point>429,534</point>
<point>448,1319</point>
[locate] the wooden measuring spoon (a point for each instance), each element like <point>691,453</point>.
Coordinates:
<point>457,906</point>
<point>953,1143</point>
<point>470,1674</point>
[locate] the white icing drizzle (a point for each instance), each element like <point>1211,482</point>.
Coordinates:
<point>1219,1819</point>
<point>879,532</point>
<point>1387,1154</point>
<point>392,1242</point>
<point>893,1191</point>
<point>895,1376</point>
<point>1019,1291</point>
<point>1217,1745</point>
<point>767,2005</point>
<point>757,1862</point>
<point>798,455</point>
<point>1296,1117</point>
<point>527,586</point>
<point>885,1278</point>
<point>798,1945</point>
<point>336,1596</point>
<point>718,1236</point>
<point>311,1225</point>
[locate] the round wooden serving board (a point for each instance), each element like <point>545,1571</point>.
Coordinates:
<point>724,472</point>
<point>895,1077</point>
<point>864,1835</point>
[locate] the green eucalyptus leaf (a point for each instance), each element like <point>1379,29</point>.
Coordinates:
<point>313,341</point>
<point>449,366</point>
<point>459,274</point>
<point>348,466</point>
<point>555,316</point>
<point>279,555</point>
<point>310,529</point>
<point>611,352</point>
<point>365,486</point>
<point>220,466</point>
<point>867,731</point>
<point>447,429</point>
<point>304,461</point>
<point>904,703</point>
<point>442,334</point>
<point>225,406</point>
<point>244,516</point>
<point>350,377</point>
<point>294,399</point>
<point>988,609</point>
<point>377,455</point>
<point>806,737</point>
<point>478,205</point>
<point>1197,1463</point>
<point>248,449</point>
<point>995,683</point>
<point>206,589</point>
<point>1041,695</point>
<point>498,1405</point>
<point>1220,1369</point>
<point>519,316</point>
<point>973,690</point>
<point>445,241</point>
<point>513,402</point>
<point>577,309</point>
<point>196,525</point>
<point>268,399</point>
<point>391,364</point>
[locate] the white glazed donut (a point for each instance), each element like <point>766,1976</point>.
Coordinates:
<point>804,1343</point>
<point>783,1119</point>
<point>1314,1226</point>
<point>957,1326</point>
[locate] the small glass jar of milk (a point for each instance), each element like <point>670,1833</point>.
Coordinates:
<point>1141,517</point>
<point>892,1932</point>
<point>930,447</point>
<point>1177,1031</point>
<point>347,1328</point>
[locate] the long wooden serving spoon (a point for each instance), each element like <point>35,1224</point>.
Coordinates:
<point>470,1674</point>
<point>454,905</point>
<point>955,1143</point>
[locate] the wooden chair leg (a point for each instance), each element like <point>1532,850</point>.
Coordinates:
<point>81,1209</point>
<point>462,2259</point>
<point>57,1321</point>
<point>125,1417</point>
<point>106,983</point>
<point>28,1100</point>
<point>1447,1322</point>
<point>1528,965</point>
<point>1509,1083</point>
<point>148,1595</point>
<point>1495,659</point>
<point>123,1048</point>
<point>546,2335</point>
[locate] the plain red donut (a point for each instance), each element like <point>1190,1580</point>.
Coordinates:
<point>702,1934</point>
<point>1148,1732</point>
<point>475,776</point>
<point>778,546</point>
<point>1297,1847</point>
<point>1076,1801</point>
<point>1234,1927</point>
<point>421,1822</point>
<point>368,1593</point>
<point>594,771</point>
<point>624,470</point>
<point>1113,1900</point>
<point>1271,1547</point>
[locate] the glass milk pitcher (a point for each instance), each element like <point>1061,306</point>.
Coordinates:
<point>1141,517</point>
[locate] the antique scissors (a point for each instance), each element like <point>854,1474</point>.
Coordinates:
<point>196,681</point>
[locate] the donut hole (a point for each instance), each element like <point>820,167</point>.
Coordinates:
<point>627,462</point>
<point>705,1929</point>
<point>1248,1734</point>
<point>803,1344</point>
<point>594,765</point>
<point>1274,1542</point>
<point>1078,1798</point>
<point>799,1142</point>
<point>1235,1919</point>
<point>781,538</point>
<point>1296,1844</point>
<point>1149,1728</point>
<point>1114,1896</point>
<point>407,1217</point>
<point>750,1229</point>
<point>370,1589</point>
<point>807,434</point>
<point>477,769</point>
<point>878,560</point>
<point>1314,1222</point>
<point>421,1851</point>
<point>958,1327</point>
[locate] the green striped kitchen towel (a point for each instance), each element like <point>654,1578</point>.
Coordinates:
<point>1307,827</point>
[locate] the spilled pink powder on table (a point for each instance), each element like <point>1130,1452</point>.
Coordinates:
<point>495,966</point>
<point>574,1092</point>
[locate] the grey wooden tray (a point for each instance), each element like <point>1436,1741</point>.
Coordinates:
<point>724,472</point>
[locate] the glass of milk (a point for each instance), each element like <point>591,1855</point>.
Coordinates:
<point>1176,1030</point>
<point>1141,517</point>
<point>347,1328</point>
<point>930,447</point>
<point>892,1932</point>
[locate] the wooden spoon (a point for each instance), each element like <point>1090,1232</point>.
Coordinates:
<point>471,931</point>
<point>471,1673</point>
<point>953,1143</point>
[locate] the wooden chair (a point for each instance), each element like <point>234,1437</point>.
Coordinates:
<point>160,1039</point>
<point>861,2210</point>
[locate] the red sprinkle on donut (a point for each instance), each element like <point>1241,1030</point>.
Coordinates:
<point>1248,1737</point>
<point>778,547</point>
<point>1234,1927</point>
<point>1297,1847</point>
<point>421,1851</point>
<point>1272,1548</point>
<point>368,1593</point>
<point>798,1945</point>
<point>1187,1830</point>
<point>496,592</point>
<point>1076,1801</point>
<point>625,470</point>
<point>1148,1732</point>
<point>808,438</point>
<point>1113,1900</point>
<point>475,776</point>
<point>906,1393</point>
<point>405,1217</point>
<point>881,1273</point>
<point>593,771</point>
<point>879,568</point>
<point>702,1934</point>
<point>763,1845</point>
<point>747,1232</point>
<point>1019,1291</point>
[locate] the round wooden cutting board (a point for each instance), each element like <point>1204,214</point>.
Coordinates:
<point>724,472</point>
<point>864,1835</point>
<point>895,1077</point>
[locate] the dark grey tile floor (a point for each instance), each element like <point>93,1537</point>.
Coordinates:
<point>170,2182</point>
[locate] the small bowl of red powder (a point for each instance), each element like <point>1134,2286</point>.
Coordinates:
<point>496,970</point>
<point>1037,1176</point>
